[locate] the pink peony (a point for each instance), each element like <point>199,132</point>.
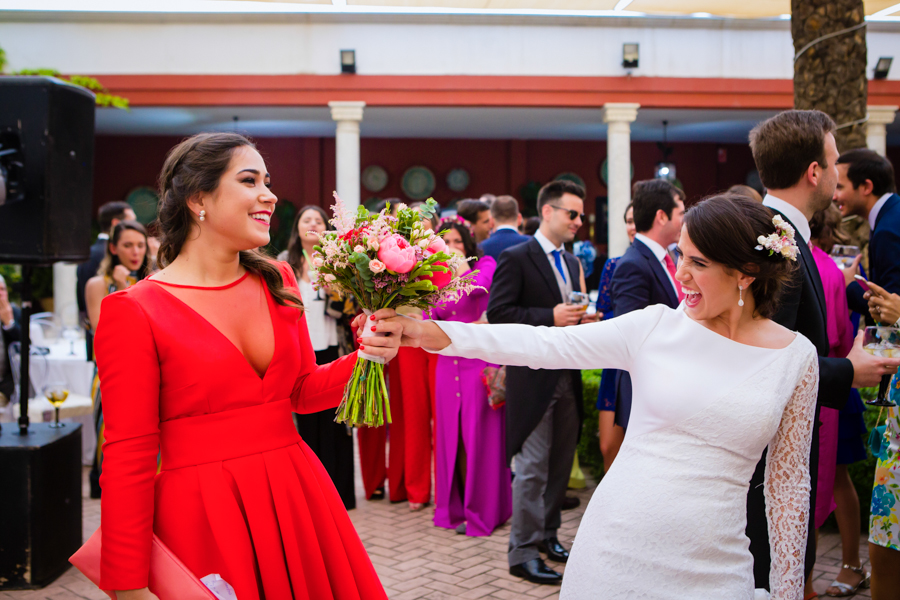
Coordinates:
<point>376,266</point>
<point>440,279</point>
<point>397,255</point>
<point>437,245</point>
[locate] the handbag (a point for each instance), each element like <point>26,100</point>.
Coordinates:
<point>170,579</point>
<point>494,380</point>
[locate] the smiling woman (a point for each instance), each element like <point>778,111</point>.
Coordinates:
<point>200,367</point>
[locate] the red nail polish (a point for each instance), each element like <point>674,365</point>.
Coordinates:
<point>361,347</point>
<point>372,317</point>
<point>373,328</point>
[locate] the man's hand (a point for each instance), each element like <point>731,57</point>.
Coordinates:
<point>567,314</point>
<point>591,317</point>
<point>6,311</point>
<point>867,368</point>
<point>851,271</point>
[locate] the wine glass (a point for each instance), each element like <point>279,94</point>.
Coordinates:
<point>579,299</point>
<point>56,394</point>
<point>71,334</point>
<point>844,256</point>
<point>882,341</point>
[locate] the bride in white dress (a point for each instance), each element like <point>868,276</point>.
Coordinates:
<point>715,382</point>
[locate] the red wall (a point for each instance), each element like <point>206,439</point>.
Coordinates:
<point>303,168</point>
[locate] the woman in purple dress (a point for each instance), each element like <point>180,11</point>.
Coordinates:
<point>472,478</point>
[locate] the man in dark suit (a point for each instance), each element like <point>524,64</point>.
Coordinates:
<point>865,188</point>
<point>543,407</point>
<point>109,216</point>
<point>645,275</point>
<point>10,317</point>
<point>505,211</point>
<point>796,155</point>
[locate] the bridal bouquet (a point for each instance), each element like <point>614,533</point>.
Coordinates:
<point>384,262</point>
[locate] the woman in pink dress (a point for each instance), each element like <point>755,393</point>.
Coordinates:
<point>472,479</point>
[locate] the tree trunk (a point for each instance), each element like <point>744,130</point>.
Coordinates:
<point>831,75</point>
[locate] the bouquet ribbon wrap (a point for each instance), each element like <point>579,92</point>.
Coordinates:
<point>367,333</point>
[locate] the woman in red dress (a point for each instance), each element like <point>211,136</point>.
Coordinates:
<point>202,365</point>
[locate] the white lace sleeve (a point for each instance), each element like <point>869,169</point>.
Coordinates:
<point>787,487</point>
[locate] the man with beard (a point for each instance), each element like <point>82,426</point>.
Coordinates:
<point>796,155</point>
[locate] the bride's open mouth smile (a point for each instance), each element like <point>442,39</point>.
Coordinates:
<point>691,297</point>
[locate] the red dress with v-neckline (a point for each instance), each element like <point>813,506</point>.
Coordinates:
<point>238,492</point>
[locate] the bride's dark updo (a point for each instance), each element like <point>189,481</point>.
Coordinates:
<point>725,229</point>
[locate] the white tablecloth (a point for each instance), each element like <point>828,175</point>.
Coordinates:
<point>77,374</point>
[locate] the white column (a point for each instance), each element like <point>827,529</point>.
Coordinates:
<point>65,306</point>
<point>618,116</point>
<point>348,115</point>
<point>876,133</point>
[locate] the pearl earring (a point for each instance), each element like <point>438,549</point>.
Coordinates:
<point>202,215</point>
<point>741,299</point>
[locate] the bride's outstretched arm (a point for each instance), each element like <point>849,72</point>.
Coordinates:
<point>610,344</point>
<point>787,488</point>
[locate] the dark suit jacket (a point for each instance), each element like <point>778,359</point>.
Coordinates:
<point>13,335</point>
<point>884,257</point>
<point>802,310</point>
<point>638,282</point>
<point>524,290</point>
<point>500,240</point>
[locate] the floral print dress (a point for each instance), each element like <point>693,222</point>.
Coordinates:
<point>884,527</point>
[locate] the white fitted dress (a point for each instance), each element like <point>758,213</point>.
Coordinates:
<point>667,521</point>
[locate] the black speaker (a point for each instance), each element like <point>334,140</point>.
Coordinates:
<point>46,170</point>
<point>40,500</point>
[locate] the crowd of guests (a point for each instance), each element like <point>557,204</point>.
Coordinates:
<point>444,420</point>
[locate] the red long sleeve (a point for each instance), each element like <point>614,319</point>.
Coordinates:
<point>129,383</point>
<point>318,387</point>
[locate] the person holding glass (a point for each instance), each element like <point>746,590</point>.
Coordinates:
<point>10,317</point>
<point>126,262</point>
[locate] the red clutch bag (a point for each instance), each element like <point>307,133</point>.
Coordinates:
<point>169,578</point>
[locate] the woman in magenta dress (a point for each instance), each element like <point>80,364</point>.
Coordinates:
<point>218,355</point>
<point>472,477</point>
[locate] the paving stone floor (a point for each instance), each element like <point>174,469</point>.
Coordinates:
<point>417,560</point>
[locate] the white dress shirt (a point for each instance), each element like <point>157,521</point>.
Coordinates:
<point>660,253</point>
<point>801,223</point>
<point>565,285</point>
<point>873,214</point>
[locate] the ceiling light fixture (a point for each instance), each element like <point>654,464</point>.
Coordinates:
<point>882,67</point>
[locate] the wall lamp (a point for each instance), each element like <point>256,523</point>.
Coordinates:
<point>348,61</point>
<point>630,56</point>
<point>883,66</point>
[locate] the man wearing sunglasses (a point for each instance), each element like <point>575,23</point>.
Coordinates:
<point>532,283</point>
<point>645,275</point>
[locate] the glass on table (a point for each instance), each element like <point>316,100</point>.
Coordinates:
<point>72,334</point>
<point>56,394</point>
<point>885,342</point>
<point>843,256</point>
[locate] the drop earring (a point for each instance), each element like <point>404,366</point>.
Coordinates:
<point>202,215</point>
<point>741,299</point>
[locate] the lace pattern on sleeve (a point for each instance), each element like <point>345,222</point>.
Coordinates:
<point>787,488</point>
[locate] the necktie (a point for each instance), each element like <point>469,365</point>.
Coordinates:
<point>670,267</point>
<point>558,260</point>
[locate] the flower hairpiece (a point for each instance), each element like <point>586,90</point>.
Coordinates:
<point>781,242</point>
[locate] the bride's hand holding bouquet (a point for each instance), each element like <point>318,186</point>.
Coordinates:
<point>413,333</point>
<point>385,262</point>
